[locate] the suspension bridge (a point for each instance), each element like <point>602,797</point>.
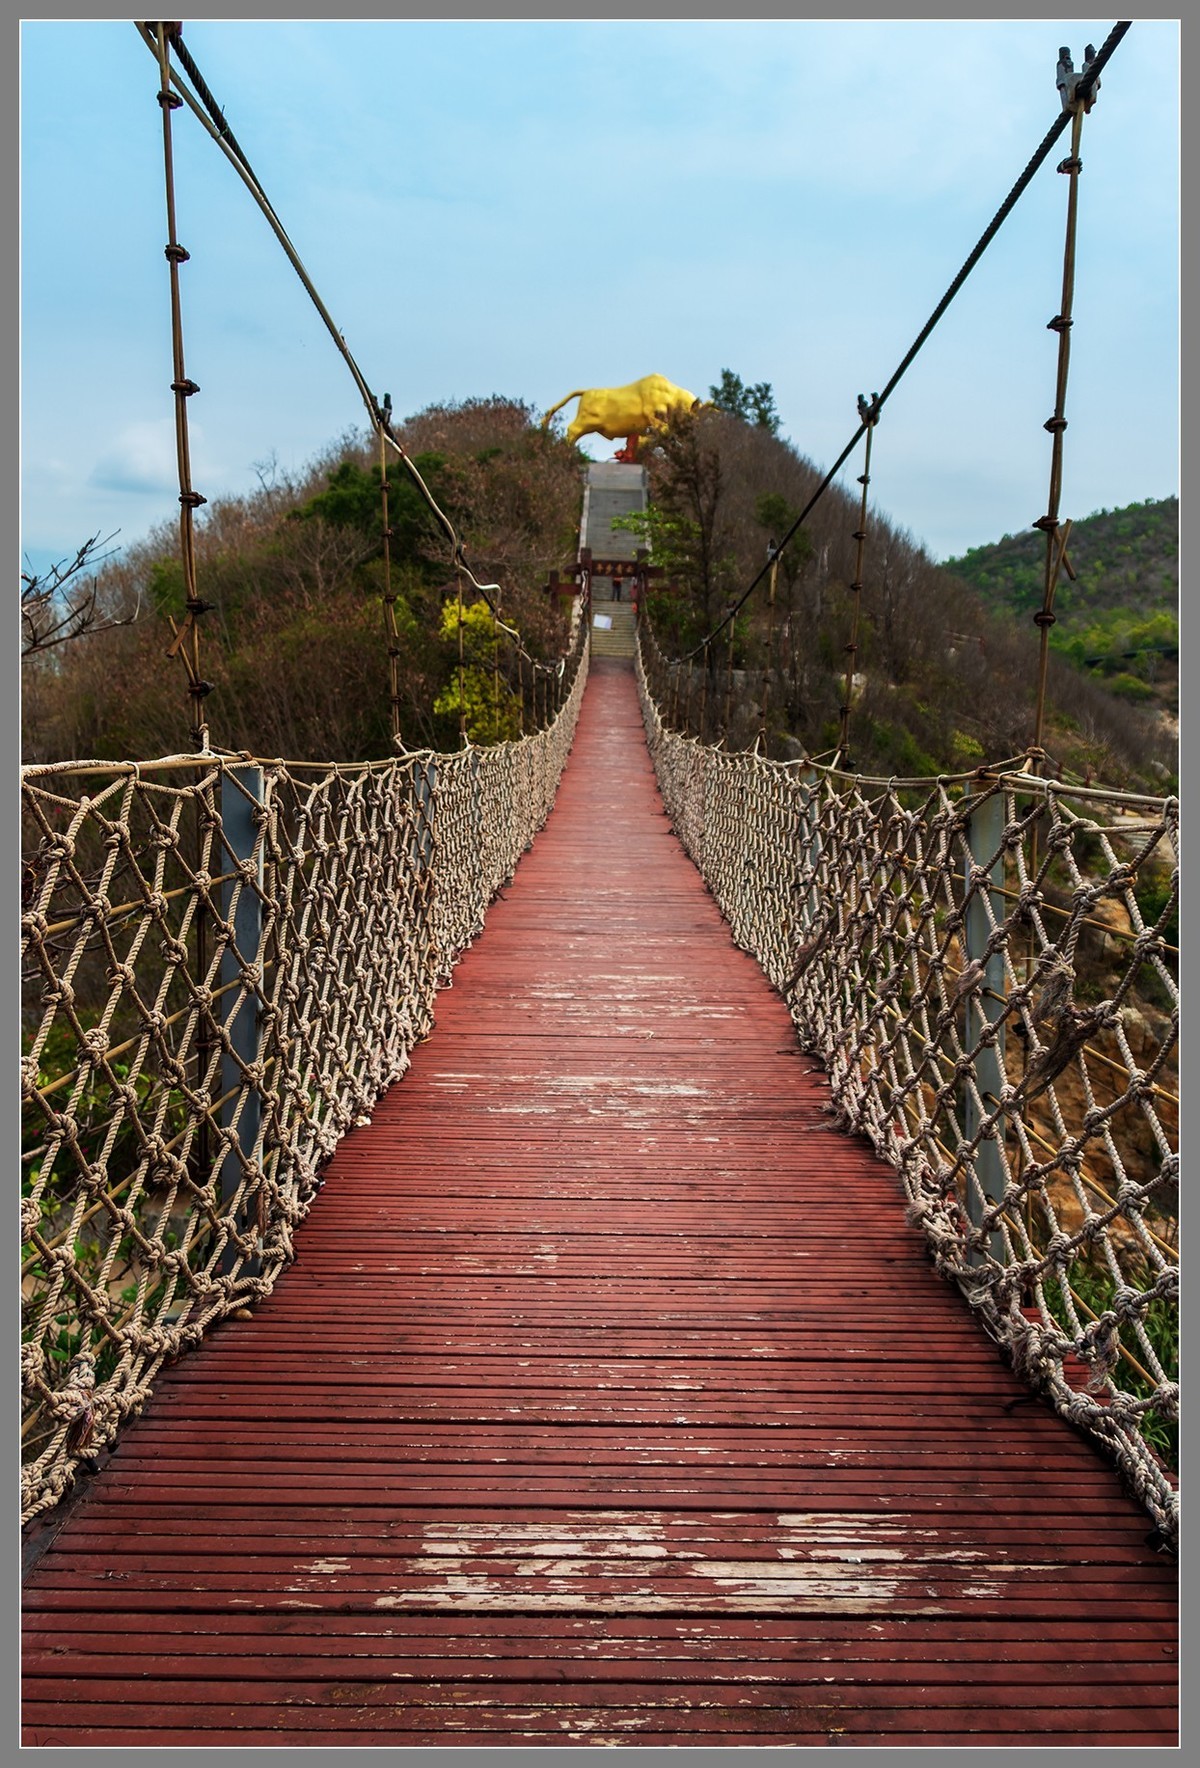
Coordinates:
<point>737,1319</point>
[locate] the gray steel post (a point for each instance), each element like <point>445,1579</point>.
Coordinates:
<point>424,794</point>
<point>985,1006</point>
<point>810,830</point>
<point>477,817</point>
<point>241,795</point>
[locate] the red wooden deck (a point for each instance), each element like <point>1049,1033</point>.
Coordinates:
<point>611,1401</point>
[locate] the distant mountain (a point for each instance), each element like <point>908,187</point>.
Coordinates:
<point>1119,618</point>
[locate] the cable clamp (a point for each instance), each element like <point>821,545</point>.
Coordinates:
<point>176,254</point>
<point>1047,524</point>
<point>195,605</point>
<point>1044,617</point>
<point>187,388</point>
<point>868,411</point>
<point>1069,165</point>
<point>169,100</point>
<point>192,499</point>
<point>1068,81</point>
<point>1059,324</point>
<point>1055,425</point>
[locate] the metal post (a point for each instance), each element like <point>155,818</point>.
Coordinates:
<point>985,1006</point>
<point>424,796</point>
<point>422,851</point>
<point>809,820</point>
<point>477,819</point>
<point>202,847</point>
<point>241,903</point>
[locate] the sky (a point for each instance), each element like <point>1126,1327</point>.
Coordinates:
<point>520,208</point>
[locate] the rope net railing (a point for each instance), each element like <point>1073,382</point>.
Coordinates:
<point>987,967</point>
<point>225,962</point>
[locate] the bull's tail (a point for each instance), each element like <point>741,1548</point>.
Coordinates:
<point>577,394</point>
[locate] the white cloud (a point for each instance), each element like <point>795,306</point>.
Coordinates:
<point>140,459</point>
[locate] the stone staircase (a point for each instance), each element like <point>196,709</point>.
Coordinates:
<point>617,639</point>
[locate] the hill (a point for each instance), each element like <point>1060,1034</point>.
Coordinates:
<point>944,659</point>
<point>1118,620</point>
<point>297,646</point>
<point>944,665</point>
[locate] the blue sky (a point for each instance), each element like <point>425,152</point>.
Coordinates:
<point>525,207</point>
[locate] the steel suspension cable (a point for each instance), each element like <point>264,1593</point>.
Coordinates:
<point>1085,86</point>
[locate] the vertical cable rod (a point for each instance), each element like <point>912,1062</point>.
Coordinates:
<point>870,417</point>
<point>186,640</point>
<point>1056,545</point>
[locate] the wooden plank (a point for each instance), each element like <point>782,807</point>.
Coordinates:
<point>610,1401</point>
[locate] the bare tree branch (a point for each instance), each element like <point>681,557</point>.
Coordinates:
<point>56,607</point>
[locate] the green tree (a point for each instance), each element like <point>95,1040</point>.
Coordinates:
<point>754,404</point>
<point>477,698</point>
<point>352,499</point>
<point>684,527</point>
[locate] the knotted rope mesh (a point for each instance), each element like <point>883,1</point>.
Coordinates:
<point>225,963</point>
<point>988,969</point>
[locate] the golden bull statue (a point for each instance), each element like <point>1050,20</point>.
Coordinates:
<point>625,411</point>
